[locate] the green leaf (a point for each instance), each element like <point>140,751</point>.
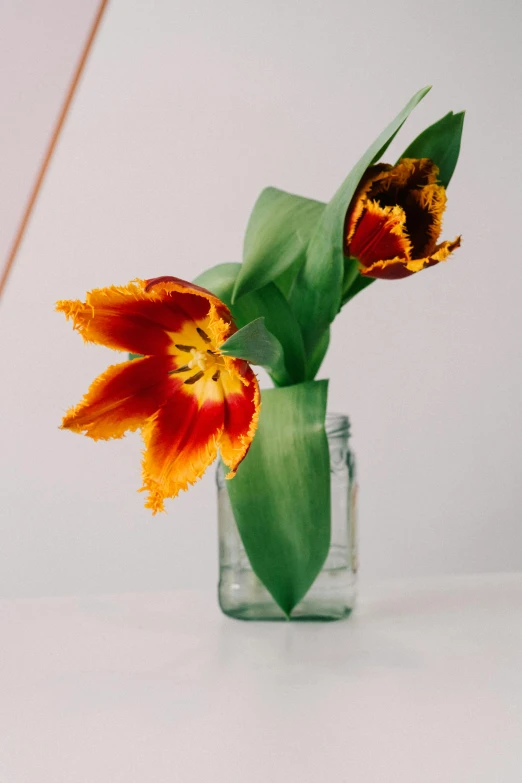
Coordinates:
<point>359,284</point>
<point>281,493</point>
<point>441,143</point>
<point>267,302</point>
<point>135,356</point>
<point>350,275</point>
<point>277,233</point>
<point>286,281</point>
<point>220,280</point>
<point>353,281</point>
<point>316,296</point>
<point>315,360</point>
<point>256,345</point>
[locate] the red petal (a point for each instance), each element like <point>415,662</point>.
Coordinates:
<point>181,442</point>
<point>122,398</point>
<point>241,415</point>
<point>398,268</point>
<point>380,235</point>
<point>130,319</point>
<point>388,270</point>
<point>181,285</point>
<point>359,198</point>
<point>188,296</point>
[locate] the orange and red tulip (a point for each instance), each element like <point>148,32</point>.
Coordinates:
<point>188,399</point>
<point>395,218</point>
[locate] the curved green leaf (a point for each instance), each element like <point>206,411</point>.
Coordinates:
<point>277,233</point>
<point>350,275</point>
<point>314,361</point>
<point>256,345</point>
<point>268,302</point>
<point>441,143</point>
<point>220,280</point>
<point>281,493</point>
<point>316,296</point>
<point>286,281</point>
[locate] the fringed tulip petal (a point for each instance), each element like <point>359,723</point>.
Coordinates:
<point>425,209</point>
<point>140,318</point>
<point>189,297</point>
<point>380,235</point>
<point>242,404</point>
<point>395,269</point>
<point>360,198</point>
<point>181,441</point>
<point>122,398</point>
<point>443,250</point>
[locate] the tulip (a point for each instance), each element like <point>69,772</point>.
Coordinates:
<point>395,218</point>
<point>188,399</point>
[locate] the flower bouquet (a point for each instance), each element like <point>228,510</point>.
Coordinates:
<point>189,385</point>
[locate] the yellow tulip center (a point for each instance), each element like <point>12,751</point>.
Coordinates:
<point>198,358</point>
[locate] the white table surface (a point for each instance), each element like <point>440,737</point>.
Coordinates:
<point>422,684</point>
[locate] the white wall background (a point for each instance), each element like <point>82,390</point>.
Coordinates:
<point>40,43</point>
<point>188,108</point>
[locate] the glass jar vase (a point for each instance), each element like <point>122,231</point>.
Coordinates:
<point>332,595</point>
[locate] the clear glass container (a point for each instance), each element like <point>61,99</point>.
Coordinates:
<point>332,595</point>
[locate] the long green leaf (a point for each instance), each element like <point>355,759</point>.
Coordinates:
<point>441,143</point>
<point>267,302</point>
<point>314,361</point>
<point>350,275</point>
<point>256,345</point>
<point>316,296</point>
<point>281,493</point>
<point>277,234</point>
<point>286,281</point>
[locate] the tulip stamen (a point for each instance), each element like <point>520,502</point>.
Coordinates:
<point>204,336</point>
<point>186,348</point>
<point>180,369</point>
<point>195,377</point>
<point>216,375</point>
